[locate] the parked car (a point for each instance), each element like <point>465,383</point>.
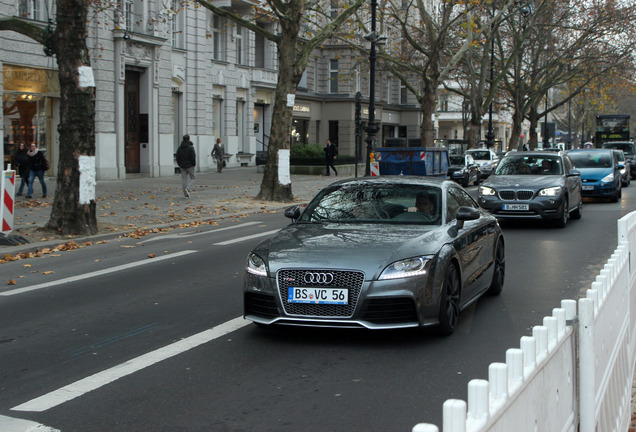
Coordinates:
<point>600,172</point>
<point>464,169</point>
<point>534,185</point>
<point>364,254</point>
<point>487,160</point>
<point>629,149</point>
<point>625,172</point>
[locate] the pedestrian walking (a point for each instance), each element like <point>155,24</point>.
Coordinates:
<point>330,155</point>
<point>187,161</point>
<point>37,165</point>
<point>21,161</point>
<point>218,153</point>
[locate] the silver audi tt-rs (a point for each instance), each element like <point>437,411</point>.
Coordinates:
<point>377,253</point>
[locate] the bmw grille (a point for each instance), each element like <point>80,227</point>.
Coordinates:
<point>511,195</point>
<point>352,280</point>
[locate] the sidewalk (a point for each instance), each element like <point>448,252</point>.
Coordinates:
<point>143,203</point>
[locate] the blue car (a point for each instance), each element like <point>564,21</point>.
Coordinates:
<point>600,172</point>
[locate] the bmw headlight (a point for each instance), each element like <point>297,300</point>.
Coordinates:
<point>406,268</point>
<point>256,265</point>
<point>486,191</point>
<point>623,171</point>
<point>550,192</point>
<point>608,178</point>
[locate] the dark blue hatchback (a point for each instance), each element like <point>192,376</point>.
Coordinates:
<point>600,172</point>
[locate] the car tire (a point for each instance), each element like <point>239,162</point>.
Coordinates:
<point>449,301</point>
<point>477,180</point>
<point>576,214</point>
<point>617,196</point>
<point>465,182</point>
<point>499,273</point>
<point>563,218</point>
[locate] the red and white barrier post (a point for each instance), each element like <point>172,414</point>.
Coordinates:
<point>7,188</point>
<point>375,165</point>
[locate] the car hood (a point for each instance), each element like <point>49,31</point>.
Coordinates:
<point>366,247</point>
<point>525,181</point>
<point>456,167</point>
<point>594,173</point>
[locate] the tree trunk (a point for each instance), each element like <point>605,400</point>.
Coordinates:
<point>271,187</point>
<point>77,121</point>
<point>517,120</point>
<point>533,116</point>
<point>428,105</point>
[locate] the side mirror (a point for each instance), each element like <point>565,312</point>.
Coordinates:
<point>574,172</point>
<point>293,213</point>
<point>620,166</point>
<point>466,214</point>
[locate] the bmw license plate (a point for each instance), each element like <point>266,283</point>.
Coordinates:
<point>318,295</point>
<point>515,207</point>
<point>588,188</point>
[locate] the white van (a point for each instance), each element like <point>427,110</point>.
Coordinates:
<point>487,160</point>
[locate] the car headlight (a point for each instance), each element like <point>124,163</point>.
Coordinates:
<point>256,265</point>
<point>485,190</point>
<point>406,268</point>
<point>608,178</point>
<point>623,171</point>
<point>551,192</point>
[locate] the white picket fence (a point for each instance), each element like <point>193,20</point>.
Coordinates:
<point>574,373</point>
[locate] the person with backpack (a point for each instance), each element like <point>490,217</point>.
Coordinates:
<point>187,161</point>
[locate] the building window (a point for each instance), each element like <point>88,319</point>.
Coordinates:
<point>218,38</point>
<point>241,45</point>
<point>217,117</point>
<point>240,126</point>
<point>303,81</point>
<point>178,18</point>
<point>403,94</point>
<point>333,10</point>
<point>128,14</point>
<point>333,76</point>
<point>39,10</point>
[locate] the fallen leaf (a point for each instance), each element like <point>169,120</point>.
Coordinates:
<point>11,282</point>
<point>48,272</point>
<point>26,265</point>
<point>152,255</point>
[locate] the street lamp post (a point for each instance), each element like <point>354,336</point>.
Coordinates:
<point>371,128</point>
<point>545,124</point>
<point>490,134</point>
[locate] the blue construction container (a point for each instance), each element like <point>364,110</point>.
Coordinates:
<point>419,161</point>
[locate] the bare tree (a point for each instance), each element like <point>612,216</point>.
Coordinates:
<point>298,37</point>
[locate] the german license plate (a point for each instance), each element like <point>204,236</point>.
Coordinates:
<point>515,207</point>
<point>588,187</point>
<point>318,295</point>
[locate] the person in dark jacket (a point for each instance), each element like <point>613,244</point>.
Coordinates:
<point>21,160</point>
<point>187,161</point>
<point>37,165</point>
<point>330,156</point>
<point>218,153</point>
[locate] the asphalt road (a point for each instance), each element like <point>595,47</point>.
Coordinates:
<point>146,335</point>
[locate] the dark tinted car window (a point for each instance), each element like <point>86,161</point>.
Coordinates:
<point>379,203</point>
<point>456,160</point>
<point>596,159</point>
<point>480,154</point>
<point>530,165</point>
<point>626,147</point>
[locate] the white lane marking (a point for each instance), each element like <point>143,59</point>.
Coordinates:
<point>100,379</point>
<point>192,234</point>
<point>10,424</point>
<point>95,273</point>
<point>240,239</point>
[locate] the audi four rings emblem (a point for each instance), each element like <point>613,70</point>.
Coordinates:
<point>318,278</point>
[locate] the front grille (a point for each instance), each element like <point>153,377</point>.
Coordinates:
<point>352,280</point>
<point>262,305</point>
<point>520,195</point>
<point>390,311</point>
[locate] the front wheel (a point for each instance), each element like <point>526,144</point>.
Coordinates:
<point>449,302</point>
<point>576,214</point>
<point>563,219</point>
<point>499,273</point>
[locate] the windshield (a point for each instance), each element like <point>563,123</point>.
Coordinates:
<point>479,154</point>
<point>620,155</point>
<point>597,159</point>
<point>381,203</point>
<point>530,165</point>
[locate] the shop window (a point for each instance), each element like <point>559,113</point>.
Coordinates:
<point>40,10</point>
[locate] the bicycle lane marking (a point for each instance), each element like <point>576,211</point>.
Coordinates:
<point>100,379</point>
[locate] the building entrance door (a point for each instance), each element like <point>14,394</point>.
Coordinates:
<point>131,126</point>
